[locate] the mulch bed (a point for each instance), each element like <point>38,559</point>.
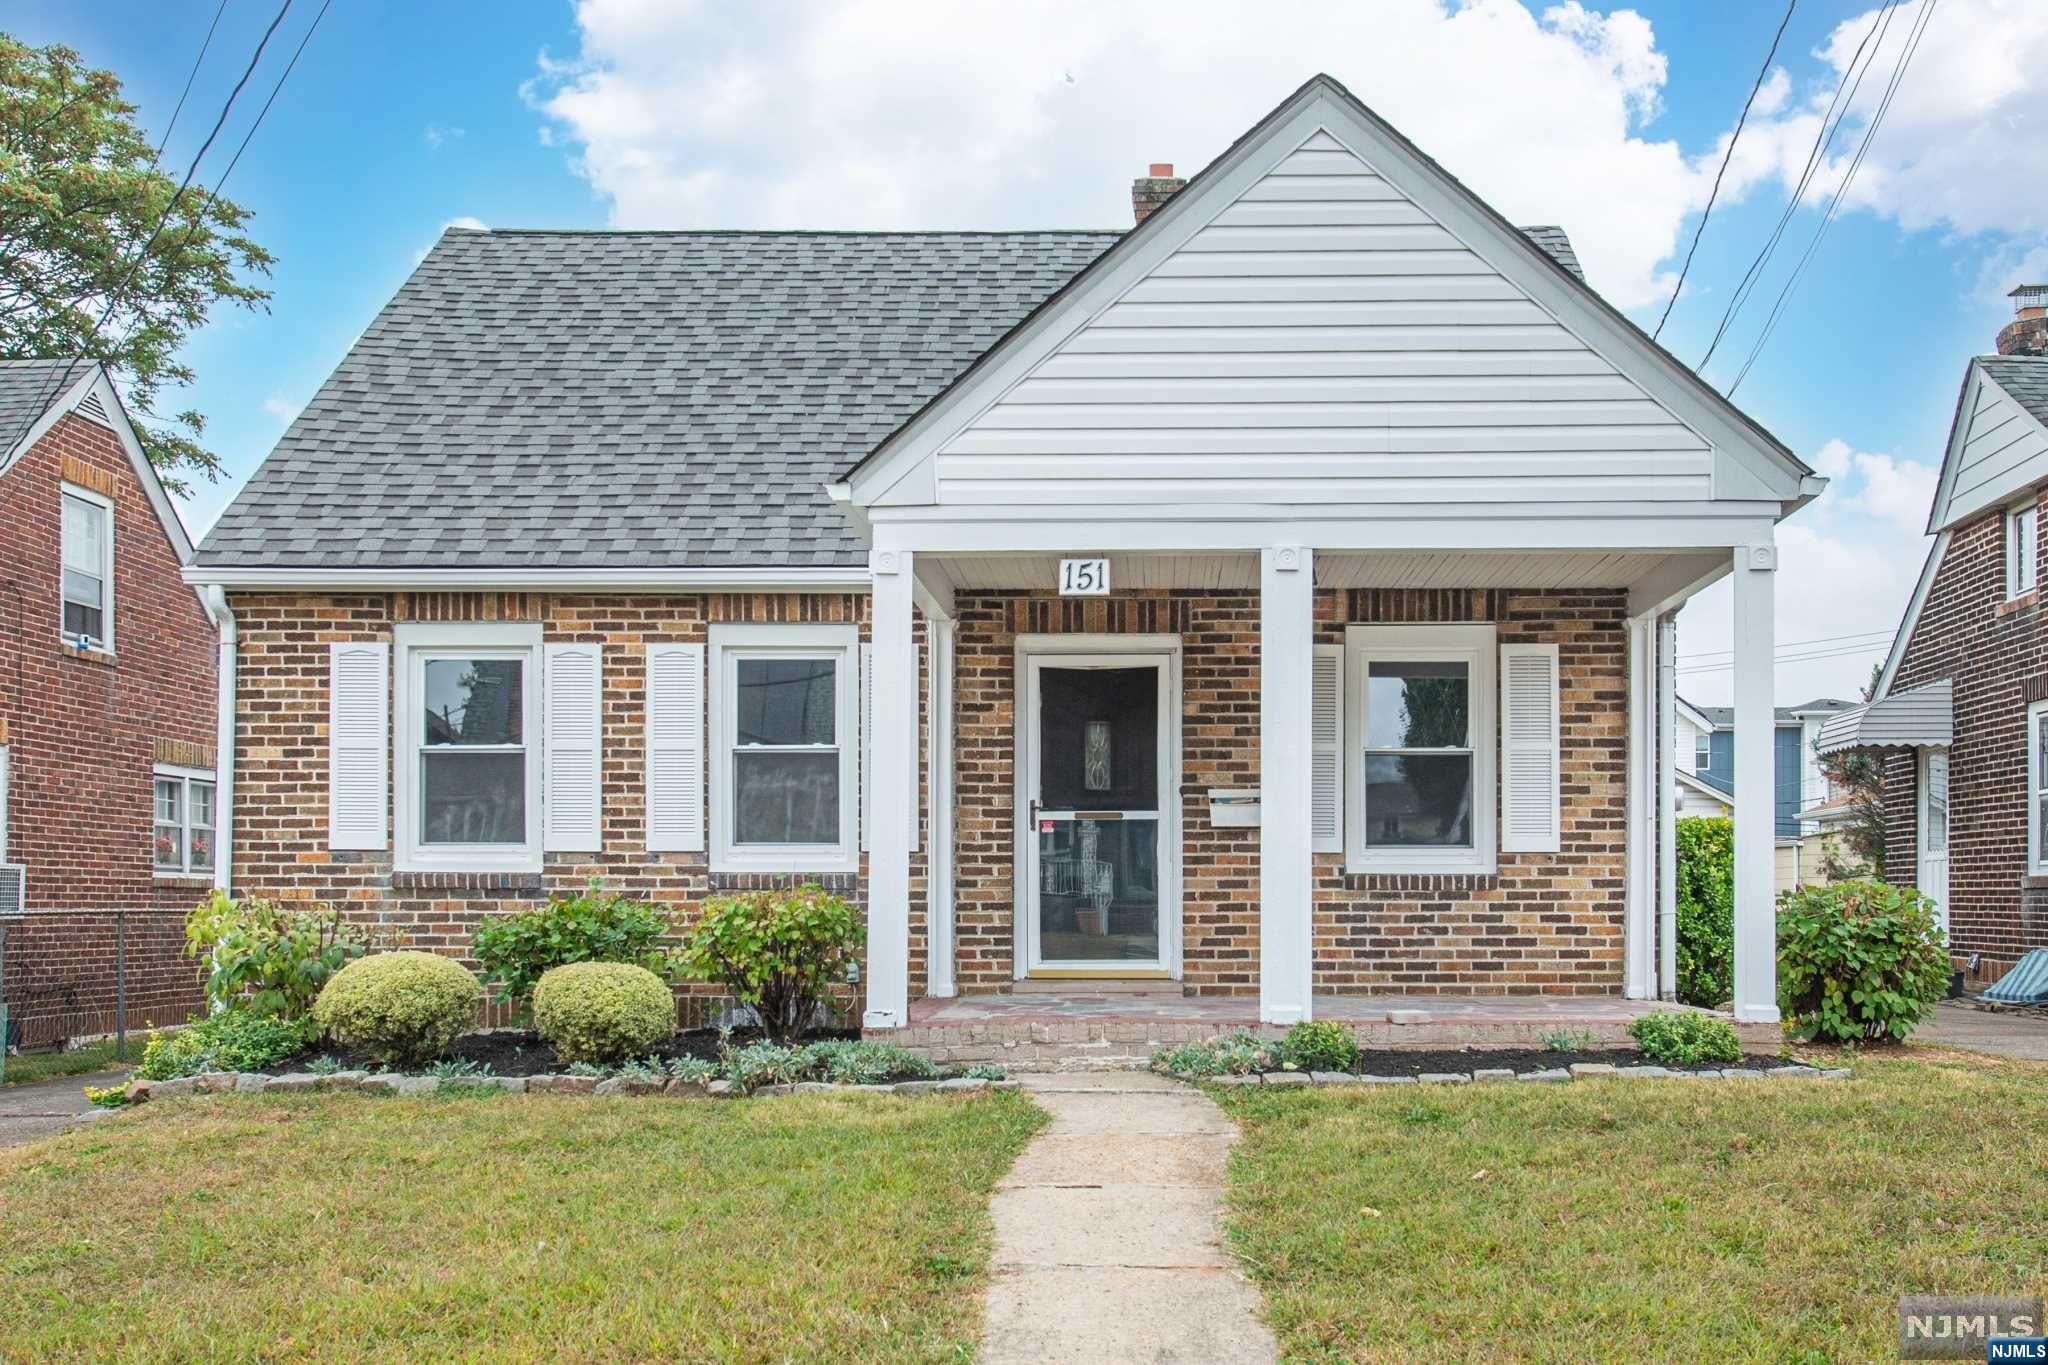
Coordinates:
<point>1404,1062</point>
<point>520,1052</point>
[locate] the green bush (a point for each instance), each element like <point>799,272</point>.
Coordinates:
<point>1706,910</point>
<point>230,1040</point>
<point>859,1062</point>
<point>401,1008</point>
<point>603,1011</point>
<point>1685,1038</point>
<point>1859,960</point>
<point>264,957</point>
<point>778,951</point>
<point>1320,1045</point>
<point>1234,1054</point>
<point>516,950</point>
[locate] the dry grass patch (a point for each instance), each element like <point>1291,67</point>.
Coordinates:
<point>350,1226</point>
<point>1639,1220</point>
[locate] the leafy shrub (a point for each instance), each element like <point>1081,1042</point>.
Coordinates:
<point>763,1063</point>
<point>402,1008</point>
<point>603,1011</point>
<point>107,1096</point>
<point>778,951</point>
<point>231,1040</point>
<point>692,1070</point>
<point>1685,1038</point>
<point>459,1069</point>
<point>264,957</point>
<point>1859,960</point>
<point>851,1062</point>
<point>1568,1040</point>
<point>987,1071</point>
<point>1706,910</point>
<point>1234,1054</point>
<point>1319,1045</point>
<point>517,950</point>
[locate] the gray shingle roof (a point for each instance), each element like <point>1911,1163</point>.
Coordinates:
<point>1724,716</point>
<point>537,399</point>
<point>2025,377</point>
<point>27,389</point>
<point>1557,246</point>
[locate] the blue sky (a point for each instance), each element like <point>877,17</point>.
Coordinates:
<point>403,118</point>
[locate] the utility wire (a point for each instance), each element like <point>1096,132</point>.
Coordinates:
<point>1794,644</point>
<point>197,62</point>
<point>1815,657</point>
<point>1726,157</point>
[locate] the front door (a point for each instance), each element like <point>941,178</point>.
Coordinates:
<point>1099,877</point>
<point>1934,829</point>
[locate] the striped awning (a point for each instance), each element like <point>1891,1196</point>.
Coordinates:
<point>1921,717</point>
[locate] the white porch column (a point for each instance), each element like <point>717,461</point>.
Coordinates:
<point>893,768</point>
<point>1287,581</point>
<point>1667,806</point>
<point>1638,978</point>
<point>1756,926</point>
<point>945,639</point>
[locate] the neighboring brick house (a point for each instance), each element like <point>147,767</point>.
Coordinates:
<point>1961,709</point>
<point>1268,601</point>
<point>1704,756</point>
<point>108,713</point>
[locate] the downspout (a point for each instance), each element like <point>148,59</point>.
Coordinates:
<point>1667,806</point>
<point>216,599</point>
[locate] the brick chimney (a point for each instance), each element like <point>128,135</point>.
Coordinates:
<point>1151,190</point>
<point>2027,333</point>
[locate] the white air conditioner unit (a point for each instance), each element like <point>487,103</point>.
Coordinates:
<point>13,889</point>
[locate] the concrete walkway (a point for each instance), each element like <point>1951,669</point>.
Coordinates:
<point>1108,1246</point>
<point>40,1108</point>
<point>2022,1036</point>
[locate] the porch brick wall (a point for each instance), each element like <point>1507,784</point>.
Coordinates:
<point>1545,924</point>
<point>280,847</point>
<point>1995,653</point>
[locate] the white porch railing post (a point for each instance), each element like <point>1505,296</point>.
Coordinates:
<point>944,637</point>
<point>1756,926</point>
<point>1287,582</point>
<point>893,739</point>
<point>1667,806</point>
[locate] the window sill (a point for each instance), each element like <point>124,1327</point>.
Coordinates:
<point>183,878</point>
<point>1417,867</point>
<point>2030,598</point>
<point>784,864</point>
<point>89,654</point>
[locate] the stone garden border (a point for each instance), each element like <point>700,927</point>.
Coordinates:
<point>1577,1071</point>
<point>389,1083</point>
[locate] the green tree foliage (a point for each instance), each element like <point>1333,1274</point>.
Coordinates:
<point>1706,910</point>
<point>83,197</point>
<point>1859,774</point>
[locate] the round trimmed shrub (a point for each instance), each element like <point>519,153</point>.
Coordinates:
<point>401,1008</point>
<point>603,1011</point>
<point>1319,1045</point>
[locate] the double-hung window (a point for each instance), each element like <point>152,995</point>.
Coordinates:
<point>182,835</point>
<point>1702,750</point>
<point>2022,548</point>
<point>2037,788</point>
<point>785,748</point>
<point>88,569</point>
<point>468,779</point>
<point>1420,764</point>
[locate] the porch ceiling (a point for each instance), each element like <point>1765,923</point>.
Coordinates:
<point>1240,572</point>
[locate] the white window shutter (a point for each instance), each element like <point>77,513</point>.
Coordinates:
<point>1529,806</point>
<point>1326,751</point>
<point>358,745</point>
<point>572,752</point>
<point>675,748</point>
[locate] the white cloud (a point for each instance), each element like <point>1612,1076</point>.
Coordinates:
<point>466,224</point>
<point>438,134</point>
<point>283,409</point>
<point>918,113</point>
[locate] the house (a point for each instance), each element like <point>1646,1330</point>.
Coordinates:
<point>1705,760</point>
<point>108,715</point>
<point>1263,604</point>
<point>1960,712</point>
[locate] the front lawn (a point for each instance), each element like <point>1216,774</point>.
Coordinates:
<point>507,1226</point>
<point>1635,1219</point>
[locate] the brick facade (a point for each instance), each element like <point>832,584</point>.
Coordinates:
<point>1995,653</point>
<point>83,730</point>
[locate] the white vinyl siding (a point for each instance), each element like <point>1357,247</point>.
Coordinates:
<point>1998,449</point>
<point>1326,751</point>
<point>675,748</point>
<point>1322,340</point>
<point>573,749</point>
<point>1530,814</point>
<point>358,745</point>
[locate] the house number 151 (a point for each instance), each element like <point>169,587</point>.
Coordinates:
<point>1084,578</point>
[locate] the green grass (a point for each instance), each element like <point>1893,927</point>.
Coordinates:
<point>1639,1220</point>
<point>43,1066</point>
<point>356,1227</point>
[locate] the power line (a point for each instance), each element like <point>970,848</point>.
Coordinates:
<point>1815,657</point>
<point>1726,157</point>
<point>1795,644</point>
<point>197,62</point>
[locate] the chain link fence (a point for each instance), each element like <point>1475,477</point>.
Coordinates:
<point>73,978</point>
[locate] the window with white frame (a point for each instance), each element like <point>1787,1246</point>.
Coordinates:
<point>784,702</point>
<point>2022,548</point>
<point>468,747</point>
<point>88,570</point>
<point>1420,759</point>
<point>184,824</point>
<point>2037,786</point>
<point>1702,750</point>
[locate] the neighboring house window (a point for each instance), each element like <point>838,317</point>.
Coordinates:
<point>468,740</point>
<point>184,822</point>
<point>2037,785</point>
<point>88,569</point>
<point>2022,572</point>
<point>1702,751</point>
<point>1420,758</point>
<point>785,748</point>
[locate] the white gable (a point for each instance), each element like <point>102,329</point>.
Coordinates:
<point>1324,318</point>
<point>1996,450</point>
